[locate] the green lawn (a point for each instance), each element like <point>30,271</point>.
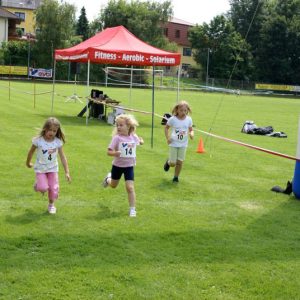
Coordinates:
<point>218,234</point>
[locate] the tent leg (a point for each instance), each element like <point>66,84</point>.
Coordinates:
<point>87,90</point>
<point>52,102</point>
<point>152,126</point>
<point>178,82</point>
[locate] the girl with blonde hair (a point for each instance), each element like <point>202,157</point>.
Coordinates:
<point>123,148</point>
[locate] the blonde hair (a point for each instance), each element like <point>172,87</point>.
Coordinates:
<point>180,104</point>
<point>48,124</point>
<point>130,121</point>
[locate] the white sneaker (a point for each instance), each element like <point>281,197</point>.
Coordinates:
<point>52,209</point>
<point>132,213</point>
<point>105,182</point>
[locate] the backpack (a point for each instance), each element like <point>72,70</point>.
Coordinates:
<point>165,118</point>
<point>248,127</point>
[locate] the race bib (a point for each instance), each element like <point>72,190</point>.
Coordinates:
<point>179,135</point>
<point>127,149</point>
<point>47,156</point>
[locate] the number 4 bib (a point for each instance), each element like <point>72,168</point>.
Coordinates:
<point>127,149</point>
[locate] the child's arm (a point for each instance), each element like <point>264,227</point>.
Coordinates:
<point>191,132</point>
<point>65,163</point>
<point>167,134</point>
<point>29,156</point>
<point>111,152</point>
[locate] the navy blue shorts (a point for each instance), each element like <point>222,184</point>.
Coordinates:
<point>116,173</point>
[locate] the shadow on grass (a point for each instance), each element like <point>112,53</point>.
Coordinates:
<point>28,217</point>
<point>105,213</point>
<point>271,238</point>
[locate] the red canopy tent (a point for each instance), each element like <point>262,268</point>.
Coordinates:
<point>117,45</point>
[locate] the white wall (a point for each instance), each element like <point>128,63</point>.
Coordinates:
<point>3,30</point>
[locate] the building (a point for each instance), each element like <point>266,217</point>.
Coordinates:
<point>176,31</point>
<point>24,9</point>
<point>8,23</point>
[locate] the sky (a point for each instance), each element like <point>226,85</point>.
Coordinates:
<point>193,11</point>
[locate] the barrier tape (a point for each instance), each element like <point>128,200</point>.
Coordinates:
<point>217,136</point>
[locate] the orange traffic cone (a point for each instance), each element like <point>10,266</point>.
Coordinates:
<point>200,148</point>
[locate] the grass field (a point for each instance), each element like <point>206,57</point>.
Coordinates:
<point>218,234</point>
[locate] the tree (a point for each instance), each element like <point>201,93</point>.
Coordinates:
<point>15,53</point>
<point>55,27</point>
<point>82,26</point>
<point>219,41</point>
<point>247,17</point>
<point>279,48</point>
<point>143,19</point>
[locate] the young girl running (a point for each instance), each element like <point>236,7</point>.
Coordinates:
<point>123,148</point>
<point>181,126</point>
<point>48,144</point>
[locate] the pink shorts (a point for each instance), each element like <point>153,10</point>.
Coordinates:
<point>47,182</point>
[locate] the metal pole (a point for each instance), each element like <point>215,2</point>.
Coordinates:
<point>152,121</point>
<point>207,66</point>
<point>28,57</point>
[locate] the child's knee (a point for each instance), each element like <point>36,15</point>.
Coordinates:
<point>53,192</point>
<point>172,164</point>
<point>179,163</point>
<point>41,187</point>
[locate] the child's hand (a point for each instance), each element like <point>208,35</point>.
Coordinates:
<point>68,177</point>
<point>169,141</point>
<point>29,165</point>
<point>141,140</point>
<point>117,153</point>
<point>192,135</point>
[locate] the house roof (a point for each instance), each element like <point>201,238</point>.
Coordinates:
<point>6,14</point>
<point>182,22</point>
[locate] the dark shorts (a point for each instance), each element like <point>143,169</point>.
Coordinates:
<point>116,173</point>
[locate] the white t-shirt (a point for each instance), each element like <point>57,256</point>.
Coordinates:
<point>180,131</point>
<point>46,157</point>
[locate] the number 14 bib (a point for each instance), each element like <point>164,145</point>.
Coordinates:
<point>127,149</point>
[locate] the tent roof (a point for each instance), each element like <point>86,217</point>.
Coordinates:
<point>117,45</point>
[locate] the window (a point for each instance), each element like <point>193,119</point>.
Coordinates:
<point>177,33</point>
<point>187,52</point>
<point>166,31</point>
<point>20,15</point>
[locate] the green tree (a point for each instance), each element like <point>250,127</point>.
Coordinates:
<point>279,48</point>
<point>15,53</point>
<point>219,42</point>
<point>247,17</point>
<point>96,26</point>
<point>82,26</point>
<point>55,27</point>
<point>143,19</point>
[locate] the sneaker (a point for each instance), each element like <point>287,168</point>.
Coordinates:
<point>175,179</point>
<point>132,213</point>
<point>166,166</point>
<point>52,209</point>
<point>105,182</point>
